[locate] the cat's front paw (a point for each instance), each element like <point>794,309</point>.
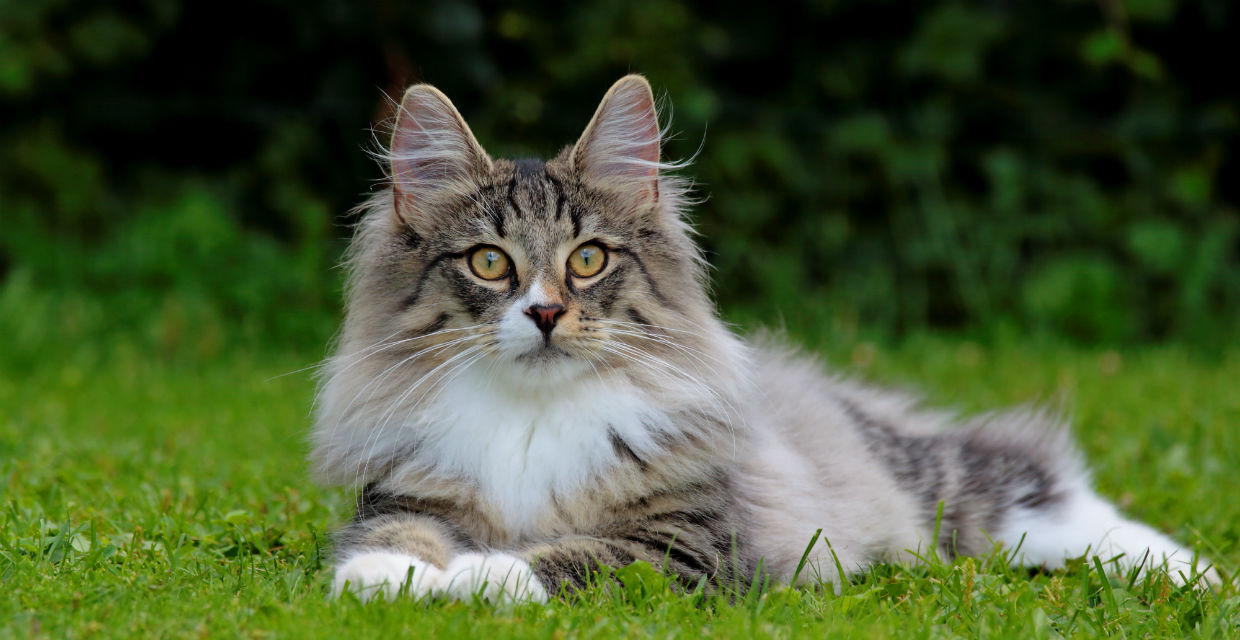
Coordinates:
<point>373,573</point>
<point>498,577</point>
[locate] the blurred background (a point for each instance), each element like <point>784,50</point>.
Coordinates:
<point>181,173</point>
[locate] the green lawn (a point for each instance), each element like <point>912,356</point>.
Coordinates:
<point>153,496</point>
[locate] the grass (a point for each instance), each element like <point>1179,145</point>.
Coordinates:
<point>147,494</point>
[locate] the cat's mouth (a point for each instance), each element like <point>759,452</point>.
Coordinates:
<point>543,353</point>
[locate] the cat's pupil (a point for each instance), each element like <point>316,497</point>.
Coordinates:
<point>587,255</point>
<point>492,258</point>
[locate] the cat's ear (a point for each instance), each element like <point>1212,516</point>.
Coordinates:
<point>620,146</point>
<point>432,150</point>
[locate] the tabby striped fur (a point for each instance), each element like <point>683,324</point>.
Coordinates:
<point>495,456</point>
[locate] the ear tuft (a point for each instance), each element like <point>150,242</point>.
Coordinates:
<point>432,148</point>
<point>620,146</point>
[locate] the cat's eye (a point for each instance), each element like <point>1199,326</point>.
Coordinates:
<point>489,263</point>
<point>587,260</point>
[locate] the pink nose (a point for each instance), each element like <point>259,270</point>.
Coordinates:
<point>544,316</point>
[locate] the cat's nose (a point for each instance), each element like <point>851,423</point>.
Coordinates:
<point>544,316</point>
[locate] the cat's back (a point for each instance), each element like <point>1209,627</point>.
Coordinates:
<point>798,396</point>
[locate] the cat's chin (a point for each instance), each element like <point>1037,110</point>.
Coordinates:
<point>547,365</point>
<point>543,356</point>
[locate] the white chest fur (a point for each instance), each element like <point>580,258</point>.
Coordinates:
<point>520,443</point>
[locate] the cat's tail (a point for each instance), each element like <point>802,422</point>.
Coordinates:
<point>1016,478</point>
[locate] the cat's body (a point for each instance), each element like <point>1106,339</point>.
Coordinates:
<point>532,381</point>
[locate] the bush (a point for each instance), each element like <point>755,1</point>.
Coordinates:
<point>1066,167</point>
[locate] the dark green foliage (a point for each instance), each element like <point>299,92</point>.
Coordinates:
<point>1059,166</point>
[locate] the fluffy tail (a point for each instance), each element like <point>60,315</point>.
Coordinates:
<point>980,474</point>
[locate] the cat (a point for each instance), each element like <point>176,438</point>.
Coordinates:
<point>531,382</point>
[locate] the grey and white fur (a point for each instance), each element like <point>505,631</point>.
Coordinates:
<point>532,381</point>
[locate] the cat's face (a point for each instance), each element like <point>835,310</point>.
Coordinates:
<point>547,272</point>
<point>557,308</point>
<point>543,272</point>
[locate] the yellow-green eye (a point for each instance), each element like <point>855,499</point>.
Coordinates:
<point>489,263</point>
<point>587,260</point>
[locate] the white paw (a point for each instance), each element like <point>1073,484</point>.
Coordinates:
<point>372,573</point>
<point>497,577</point>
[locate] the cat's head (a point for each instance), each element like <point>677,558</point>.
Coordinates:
<point>540,274</point>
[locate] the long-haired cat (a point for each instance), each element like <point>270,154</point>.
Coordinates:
<point>532,381</point>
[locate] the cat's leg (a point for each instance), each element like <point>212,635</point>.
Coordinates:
<point>393,553</point>
<point>683,545</point>
<point>686,550</point>
<point>1082,522</point>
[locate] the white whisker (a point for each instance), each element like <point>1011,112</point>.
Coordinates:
<point>376,380</point>
<point>390,412</point>
<point>719,401</point>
